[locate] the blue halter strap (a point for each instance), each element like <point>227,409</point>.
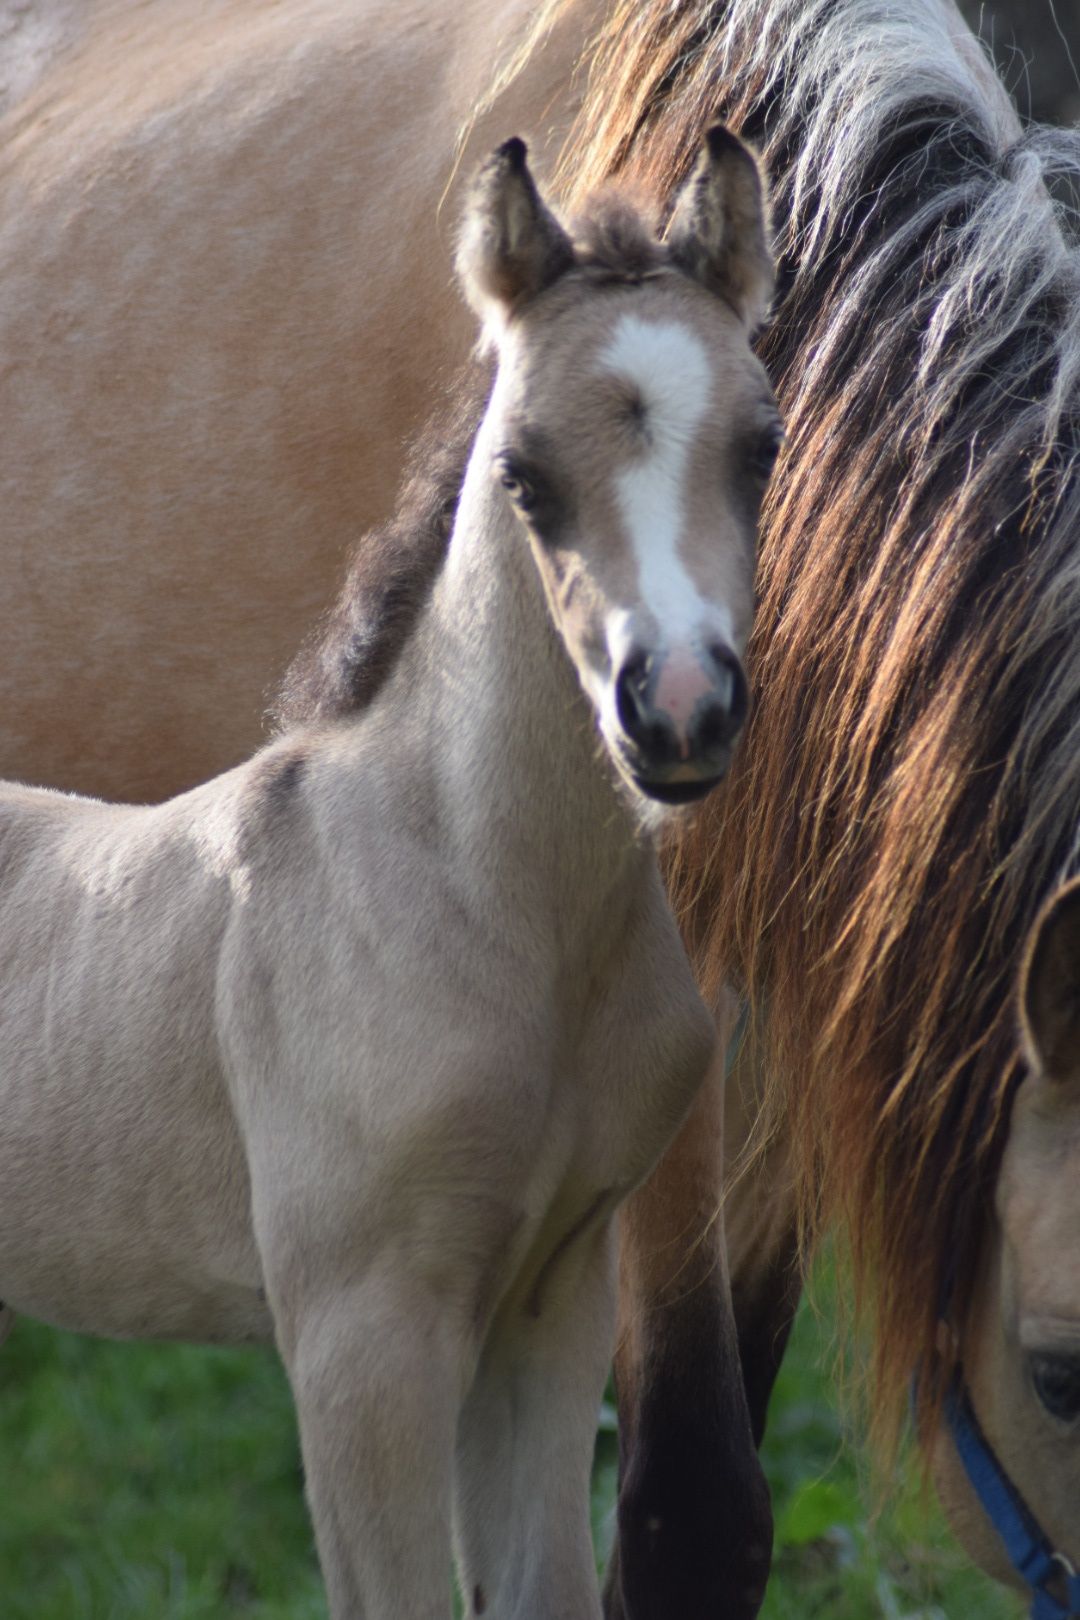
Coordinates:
<point>1055,1585</point>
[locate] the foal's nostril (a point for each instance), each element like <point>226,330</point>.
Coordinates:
<point>630,693</point>
<point>688,711</point>
<point>646,726</point>
<point>732,692</point>
<point>720,717</point>
<point>714,729</point>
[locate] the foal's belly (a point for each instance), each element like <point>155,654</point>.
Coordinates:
<point>131,1238</point>
<point>120,1249</point>
<point>144,1305</point>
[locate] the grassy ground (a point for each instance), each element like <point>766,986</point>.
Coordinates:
<point>164,1483</point>
<point>833,1560</point>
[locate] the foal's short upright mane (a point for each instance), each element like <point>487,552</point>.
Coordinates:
<point>910,787</point>
<point>346,660</point>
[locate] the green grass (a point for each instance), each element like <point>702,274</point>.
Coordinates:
<point>833,1558</point>
<point>163,1483</point>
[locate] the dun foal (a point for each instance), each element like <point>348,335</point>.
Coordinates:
<point>359,1045</point>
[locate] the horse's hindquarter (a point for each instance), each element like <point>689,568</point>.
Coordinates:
<point>225,290</point>
<point>123,1190</point>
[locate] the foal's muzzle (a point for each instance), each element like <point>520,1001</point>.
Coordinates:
<point>680,717</point>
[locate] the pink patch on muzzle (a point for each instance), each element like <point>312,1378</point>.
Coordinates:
<point>682,685</point>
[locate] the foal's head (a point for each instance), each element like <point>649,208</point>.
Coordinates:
<point>635,431</point>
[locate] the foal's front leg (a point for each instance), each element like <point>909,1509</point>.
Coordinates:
<point>526,1440</point>
<point>379,1356</point>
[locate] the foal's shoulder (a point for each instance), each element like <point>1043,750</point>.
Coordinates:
<point>263,801</point>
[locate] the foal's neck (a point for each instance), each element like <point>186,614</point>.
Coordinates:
<point>518,759</point>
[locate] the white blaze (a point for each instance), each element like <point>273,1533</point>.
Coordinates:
<point>667,365</point>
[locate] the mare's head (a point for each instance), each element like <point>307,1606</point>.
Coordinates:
<point>634,430</point>
<point>1020,1345</point>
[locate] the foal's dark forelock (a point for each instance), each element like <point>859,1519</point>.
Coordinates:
<point>909,786</point>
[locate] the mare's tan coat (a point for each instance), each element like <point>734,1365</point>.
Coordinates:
<point>208,217</point>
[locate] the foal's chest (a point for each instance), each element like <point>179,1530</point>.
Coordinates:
<point>621,1073</point>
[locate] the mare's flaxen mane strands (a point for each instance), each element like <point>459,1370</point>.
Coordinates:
<point>910,788</point>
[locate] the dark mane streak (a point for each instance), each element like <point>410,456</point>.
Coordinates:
<point>910,787</point>
<point>346,661</point>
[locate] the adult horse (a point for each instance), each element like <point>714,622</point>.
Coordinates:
<point>912,769</point>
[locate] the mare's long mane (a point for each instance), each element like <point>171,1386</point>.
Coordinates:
<point>910,787</point>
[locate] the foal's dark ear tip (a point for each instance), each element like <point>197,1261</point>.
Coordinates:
<point>721,143</point>
<point>719,140</point>
<point>513,153</point>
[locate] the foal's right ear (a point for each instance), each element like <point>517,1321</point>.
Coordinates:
<point>719,231</point>
<point>1050,988</point>
<point>511,246</point>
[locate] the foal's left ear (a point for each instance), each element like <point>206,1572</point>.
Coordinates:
<point>719,231</point>
<point>1050,988</point>
<point>511,246</point>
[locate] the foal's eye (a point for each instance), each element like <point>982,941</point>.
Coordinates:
<point>518,487</point>
<point>764,453</point>
<point>1056,1381</point>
